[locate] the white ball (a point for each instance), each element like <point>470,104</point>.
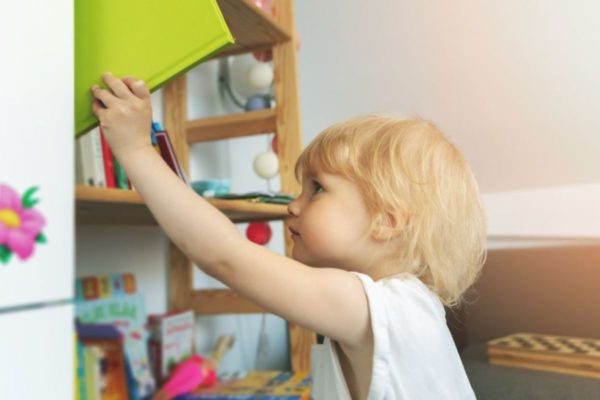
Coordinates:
<point>260,76</point>
<point>266,165</point>
<point>240,69</point>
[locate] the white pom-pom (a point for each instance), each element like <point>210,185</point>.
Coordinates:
<point>266,165</point>
<point>260,76</point>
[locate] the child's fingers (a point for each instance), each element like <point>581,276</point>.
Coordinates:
<point>98,108</point>
<point>116,85</point>
<point>103,95</point>
<point>138,87</point>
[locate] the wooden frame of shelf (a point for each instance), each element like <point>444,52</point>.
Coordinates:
<point>126,207</point>
<point>231,126</point>
<point>252,28</point>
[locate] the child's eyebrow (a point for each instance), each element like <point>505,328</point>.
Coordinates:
<point>311,175</point>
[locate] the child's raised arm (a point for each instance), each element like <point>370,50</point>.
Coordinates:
<point>329,301</point>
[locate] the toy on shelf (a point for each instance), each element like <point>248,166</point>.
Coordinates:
<point>266,165</point>
<point>211,187</point>
<point>259,232</point>
<point>195,372</point>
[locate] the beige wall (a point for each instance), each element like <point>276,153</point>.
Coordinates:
<point>547,290</point>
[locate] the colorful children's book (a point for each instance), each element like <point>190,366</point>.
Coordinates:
<point>263,385</point>
<point>171,341</point>
<point>126,312</point>
<point>151,40</point>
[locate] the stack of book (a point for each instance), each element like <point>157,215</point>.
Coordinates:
<point>101,371</point>
<point>113,300</point>
<point>95,164</point>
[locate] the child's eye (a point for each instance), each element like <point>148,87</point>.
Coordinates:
<point>316,187</point>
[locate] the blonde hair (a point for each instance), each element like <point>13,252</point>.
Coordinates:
<point>407,168</point>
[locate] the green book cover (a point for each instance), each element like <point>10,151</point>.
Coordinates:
<point>120,175</point>
<point>151,40</point>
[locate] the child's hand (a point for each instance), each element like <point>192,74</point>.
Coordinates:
<point>125,113</point>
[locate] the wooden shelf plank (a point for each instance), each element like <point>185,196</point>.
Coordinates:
<point>126,207</point>
<point>252,28</point>
<point>230,126</point>
<point>221,301</point>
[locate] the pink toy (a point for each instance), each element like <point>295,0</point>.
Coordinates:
<point>194,372</point>
<point>187,376</point>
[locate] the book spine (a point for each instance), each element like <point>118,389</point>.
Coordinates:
<point>86,152</point>
<point>167,152</point>
<point>120,176</point>
<point>107,158</point>
<point>80,381</point>
<point>99,173</point>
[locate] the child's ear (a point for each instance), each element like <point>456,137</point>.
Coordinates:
<point>388,226</point>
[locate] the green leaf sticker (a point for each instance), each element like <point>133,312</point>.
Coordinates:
<point>27,199</point>
<point>41,238</point>
<point>5,254</point>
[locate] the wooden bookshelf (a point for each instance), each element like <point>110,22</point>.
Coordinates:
<point>125,207</point>
<point>231,126</point>
<point>252,28</point>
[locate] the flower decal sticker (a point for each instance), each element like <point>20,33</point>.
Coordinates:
<point>20,224</point>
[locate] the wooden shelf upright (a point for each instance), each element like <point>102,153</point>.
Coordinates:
<point>253,30</point>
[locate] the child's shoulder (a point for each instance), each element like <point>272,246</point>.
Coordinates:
<point>402,288</point>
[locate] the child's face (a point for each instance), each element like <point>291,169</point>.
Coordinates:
<point>330,223</point>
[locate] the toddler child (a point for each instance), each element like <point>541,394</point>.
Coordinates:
<point>388,229</point>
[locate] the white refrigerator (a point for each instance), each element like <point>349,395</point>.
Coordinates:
<point>36,226</point>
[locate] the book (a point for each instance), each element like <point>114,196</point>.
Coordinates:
<point>84,161</point>
<point>264,385</point>
<point>164,40</point>
<point>126,312</point>
<point>107,159</point>
<point>121,180</point>
<point>171,341</point>
<point>109,368</point>
<point>97,158</point>
<point>167,152</point>
<point>259,197</point>
<point>79,370</point>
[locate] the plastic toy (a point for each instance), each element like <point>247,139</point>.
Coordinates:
<point>266,165</point>
<point>259,232</point>
<point>194,372</point>
<point>258,102</point>
<point>211,187</point>
<point>260,76</point>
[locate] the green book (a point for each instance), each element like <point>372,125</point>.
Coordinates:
<point>150,40</point>
<point>120,175</point>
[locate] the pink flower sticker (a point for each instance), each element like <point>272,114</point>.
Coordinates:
<point>20,224</point>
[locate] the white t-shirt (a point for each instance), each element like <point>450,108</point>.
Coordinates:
<point>414,356</point>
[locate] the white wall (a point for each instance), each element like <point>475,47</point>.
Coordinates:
<point>513,83</point>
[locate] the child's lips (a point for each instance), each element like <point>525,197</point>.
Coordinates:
<point>293,232</point>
